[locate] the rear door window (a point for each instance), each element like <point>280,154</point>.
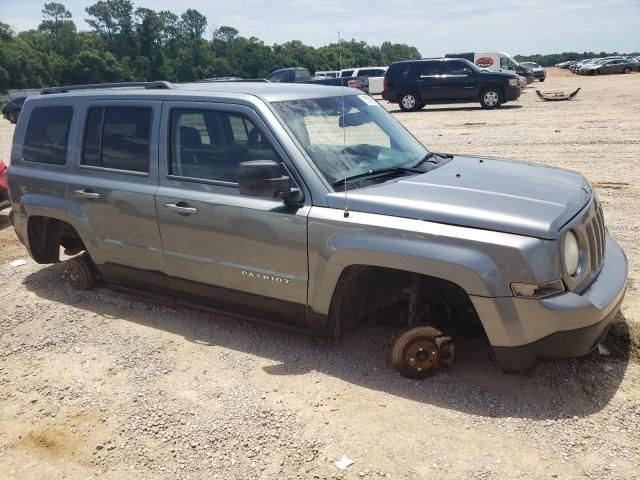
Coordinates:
<point>429,69</point>
<point>118,138</point>
<point>47,135</point>
<point>402,70</point>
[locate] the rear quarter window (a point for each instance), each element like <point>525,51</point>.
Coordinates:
<point>47,136</point>
<point>399,70</point>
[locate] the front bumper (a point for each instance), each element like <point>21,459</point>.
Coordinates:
<point>539,74</point>
<point>512,93</point>
<point>523,331</point>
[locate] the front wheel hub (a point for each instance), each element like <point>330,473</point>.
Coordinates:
<point>421,351</point>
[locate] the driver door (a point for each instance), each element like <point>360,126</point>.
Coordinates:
<point>247,255</point>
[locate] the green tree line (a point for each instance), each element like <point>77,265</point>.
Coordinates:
<point>555,58</point>
<point>125,43</point>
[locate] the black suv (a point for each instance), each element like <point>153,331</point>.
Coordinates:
<point>11,109</point>
<point>416,83</point>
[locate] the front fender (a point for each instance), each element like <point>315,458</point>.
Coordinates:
<point>482,263</point>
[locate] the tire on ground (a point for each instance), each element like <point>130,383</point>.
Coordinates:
<point>410,102</point>
<point>491,98</point>
<point>78,273</point>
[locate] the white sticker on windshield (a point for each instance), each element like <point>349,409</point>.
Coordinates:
<point>368,100</point>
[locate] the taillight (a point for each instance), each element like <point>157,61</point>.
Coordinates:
<point>385,83</point>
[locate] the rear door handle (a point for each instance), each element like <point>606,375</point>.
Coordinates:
<point>181,207</point>
<point>87,193</point>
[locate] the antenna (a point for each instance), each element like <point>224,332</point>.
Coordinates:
<point>344,131</point>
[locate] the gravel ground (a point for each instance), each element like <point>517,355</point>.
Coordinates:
<point>100,384</point>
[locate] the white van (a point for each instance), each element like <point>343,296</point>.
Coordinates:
<point>497,62</point>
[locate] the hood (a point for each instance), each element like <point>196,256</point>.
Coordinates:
<point>486,193</point>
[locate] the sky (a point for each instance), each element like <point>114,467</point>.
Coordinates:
<point>435,27</point>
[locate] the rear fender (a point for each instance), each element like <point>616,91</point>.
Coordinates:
<point>33,204</point>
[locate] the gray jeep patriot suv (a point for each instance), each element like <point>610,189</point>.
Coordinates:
<point>312,208</point>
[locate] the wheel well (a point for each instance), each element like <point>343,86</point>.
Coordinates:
<point>367,295</point>
<point>46,235</point>
<point>411,91</point>
<point>499,88</point>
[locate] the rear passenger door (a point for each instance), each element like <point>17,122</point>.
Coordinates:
<point>428,80</point>
<point>240,253</point>
<point>113,182</point>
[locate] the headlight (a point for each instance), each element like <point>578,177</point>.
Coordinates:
<point>571,253</point>
<point>513,82</point>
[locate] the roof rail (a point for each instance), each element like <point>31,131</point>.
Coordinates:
<point>160,85</point>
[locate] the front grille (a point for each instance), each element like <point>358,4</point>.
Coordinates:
<point>595,234</point>
<point>591,231</point>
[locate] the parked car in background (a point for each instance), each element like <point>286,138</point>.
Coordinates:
<point>538,72</point>
<point>576,65</point>
<point>326,74</point>
<point>4,192</point>
<point>497,62</point>
<point>364,72</point>
<point>290,75</point>
<point>302,75</point>
<point>11,109</point>
<point>374,76</point>
<point>416,83</point>
<point>616,65</point>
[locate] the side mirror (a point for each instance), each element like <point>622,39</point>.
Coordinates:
<point>263,178</point>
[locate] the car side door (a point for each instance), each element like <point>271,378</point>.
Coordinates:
<point>459,81</point>
<point>428,81</point>
<point>616,66</point>
<point>245,255</point>
<point>112,184</point>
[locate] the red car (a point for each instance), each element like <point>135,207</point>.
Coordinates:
<point>4,193</point>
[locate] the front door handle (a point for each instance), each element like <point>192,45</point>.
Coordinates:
<point>87,193</point>
<point>181,207</point>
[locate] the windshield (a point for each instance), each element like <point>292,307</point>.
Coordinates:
<point>363,138</point>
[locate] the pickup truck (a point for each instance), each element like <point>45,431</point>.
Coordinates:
<point>312,208</point>
<point>302,75</point>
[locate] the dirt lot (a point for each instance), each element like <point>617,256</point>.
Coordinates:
<point>101,384</point>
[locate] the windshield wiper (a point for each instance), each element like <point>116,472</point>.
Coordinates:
<point>375,172</point>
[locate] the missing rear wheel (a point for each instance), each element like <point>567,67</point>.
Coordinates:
<point>78,273</point>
